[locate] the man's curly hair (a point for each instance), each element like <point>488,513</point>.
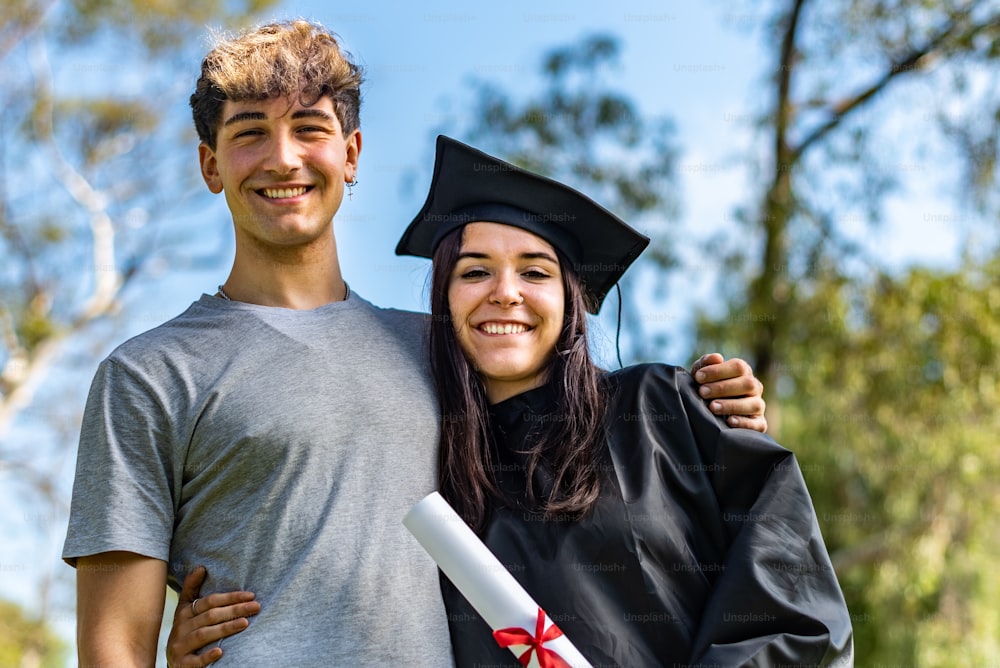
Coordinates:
<point>277,60</point>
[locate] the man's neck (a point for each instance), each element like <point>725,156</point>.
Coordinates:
<point>294,278</point>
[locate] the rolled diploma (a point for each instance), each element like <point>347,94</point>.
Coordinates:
<point>479,575</point>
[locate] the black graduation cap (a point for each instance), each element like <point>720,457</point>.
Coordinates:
<point>471,186</point>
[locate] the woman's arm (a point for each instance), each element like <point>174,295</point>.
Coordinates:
<point>200,621</point>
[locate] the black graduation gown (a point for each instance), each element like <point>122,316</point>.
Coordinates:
<point>703,548</point>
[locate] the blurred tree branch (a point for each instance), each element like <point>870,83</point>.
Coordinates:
<point>28,363</point>
<point>957,38</point>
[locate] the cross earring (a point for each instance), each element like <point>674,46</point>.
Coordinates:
<point>350,188</point>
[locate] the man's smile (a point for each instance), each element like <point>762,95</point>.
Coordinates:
<point>283,193</point>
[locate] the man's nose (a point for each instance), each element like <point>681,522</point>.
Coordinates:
<point>285,155</point>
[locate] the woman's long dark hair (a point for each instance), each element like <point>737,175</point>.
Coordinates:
<point>569,445</point>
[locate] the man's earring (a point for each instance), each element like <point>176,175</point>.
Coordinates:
<point>350,188</point>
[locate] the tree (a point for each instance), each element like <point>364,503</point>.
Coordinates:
<point>884,382</point>
<point>843,73</point>
<point>898,446</point>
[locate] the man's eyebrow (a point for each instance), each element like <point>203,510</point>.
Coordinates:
<point>312,113</point>
<point>245,116</point>
<point>261,116</point>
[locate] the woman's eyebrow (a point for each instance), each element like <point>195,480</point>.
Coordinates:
<point>540,255</point>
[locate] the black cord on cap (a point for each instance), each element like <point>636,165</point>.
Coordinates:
<point>618,330</point>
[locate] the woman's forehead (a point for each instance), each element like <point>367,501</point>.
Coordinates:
<point>485,235</point>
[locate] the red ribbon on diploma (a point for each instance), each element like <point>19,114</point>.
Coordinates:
<point>518,636</point>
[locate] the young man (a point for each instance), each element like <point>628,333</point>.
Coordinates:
<point>278,431</point>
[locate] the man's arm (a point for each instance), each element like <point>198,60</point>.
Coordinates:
<point>120,597</point>
<point>733,390</point>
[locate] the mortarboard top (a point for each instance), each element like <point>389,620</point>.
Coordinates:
<point>470,186</point>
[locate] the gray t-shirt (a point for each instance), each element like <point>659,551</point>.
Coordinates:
<point>281,449</point>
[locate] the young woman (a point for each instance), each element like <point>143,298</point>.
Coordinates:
<point>650,532</point>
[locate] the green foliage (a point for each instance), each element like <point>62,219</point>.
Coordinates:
<point>888,390</point>
<point>160,25</point>
<point>845,77</point>
<point>25,642</point>
<point>886,385</point>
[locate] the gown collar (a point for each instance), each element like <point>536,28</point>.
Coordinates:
<point>516,413</point>
<point>514,425</point>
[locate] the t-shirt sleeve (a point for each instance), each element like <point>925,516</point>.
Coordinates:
<point>123,495</point>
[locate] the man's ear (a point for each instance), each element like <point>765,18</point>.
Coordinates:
<point>353,152</point>
<point>209,168</point>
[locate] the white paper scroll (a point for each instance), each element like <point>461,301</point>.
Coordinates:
<point>482,579</point>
